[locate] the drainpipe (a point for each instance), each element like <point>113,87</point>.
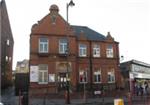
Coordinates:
<point>91,66</point>
<point>0,50</point>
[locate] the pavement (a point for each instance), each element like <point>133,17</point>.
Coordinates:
<point>89,101</point>
<point>8,97</point>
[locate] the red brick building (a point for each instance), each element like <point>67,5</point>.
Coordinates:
<point>58,48</point>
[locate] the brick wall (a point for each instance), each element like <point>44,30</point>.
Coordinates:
<point>61,29</point>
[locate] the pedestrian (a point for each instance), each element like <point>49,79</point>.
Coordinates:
<point>146,87</point>
<point>141,90</point>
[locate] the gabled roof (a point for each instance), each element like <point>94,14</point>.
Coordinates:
<point>89,33</point>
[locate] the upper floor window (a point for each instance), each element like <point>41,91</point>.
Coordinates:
<point>97,76</point>
<point>109,51</point>
<point>43,45</point>
<point>111,77</point>
<point>82,50</point>
<point>83,76</point>
<point>43,74</point>
<point>62,46</point>
<point>96,50</point>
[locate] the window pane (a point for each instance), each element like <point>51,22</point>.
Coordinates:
<point>43,67</point>
<point>96,50</point>
<point>62,45</point>
<point>111,77</point>
<point>43,73</point>
<point>82,50</point>
<point>43,45</point>
<point>40,76</point>
<point>82,77</point>
<point>109,51</point>
<point>98,77</point>
<point>45,77</point>
<point>43,40</point>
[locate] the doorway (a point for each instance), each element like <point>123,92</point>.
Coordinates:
<point>62,81</point>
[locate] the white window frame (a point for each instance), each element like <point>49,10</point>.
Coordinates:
<point>8,42</point>
<point>96,50</point>
<point>83,73</point>
<point>96,73</point>
<point>82,50</point>
<point>43,71</point>
<point>44,45</point>
<point>63,46</point>
<point>112,77</point>
<point>109,51</point>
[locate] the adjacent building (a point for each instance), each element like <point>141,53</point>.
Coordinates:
<point>22,66</point>
<point>135,73</point>
<point>60,52</point>
<point>6,46</point>
<point>22,77</point>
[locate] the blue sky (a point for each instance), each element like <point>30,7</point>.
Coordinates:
<point>128,21</point>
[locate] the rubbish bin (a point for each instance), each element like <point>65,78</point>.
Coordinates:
<point>118,102</point>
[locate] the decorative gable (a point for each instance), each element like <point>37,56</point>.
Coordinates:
<point>52,24</point>
<point>109,38</point>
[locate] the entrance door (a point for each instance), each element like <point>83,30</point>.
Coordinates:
<point>62,81</point>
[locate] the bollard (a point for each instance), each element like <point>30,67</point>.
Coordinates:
<point>118,102</point>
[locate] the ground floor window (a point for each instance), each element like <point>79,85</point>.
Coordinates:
<point>111,77</point>
<point>97,76</point>
<point>43,74</point>
<point>83,76</point>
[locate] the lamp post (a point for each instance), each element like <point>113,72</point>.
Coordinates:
<point>71,3</point>
<point>67,52</point>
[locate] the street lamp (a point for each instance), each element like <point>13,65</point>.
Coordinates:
<point>71,3</point>
<point>67,52</point>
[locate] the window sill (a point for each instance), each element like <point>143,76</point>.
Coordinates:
<point>83,82</point>
<point>82,56</point>
<point>62,55</point>
<point>97,82</point>
<point>109,56</point>
<point>96,56</point>
<point>42,83</point>
<point>43,54</point>
<point>112,82</point>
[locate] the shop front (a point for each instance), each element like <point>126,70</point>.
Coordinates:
<point>139,78</point>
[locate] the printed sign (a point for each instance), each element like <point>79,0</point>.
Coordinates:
<point>34,73</point>
<point>51,77</point>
